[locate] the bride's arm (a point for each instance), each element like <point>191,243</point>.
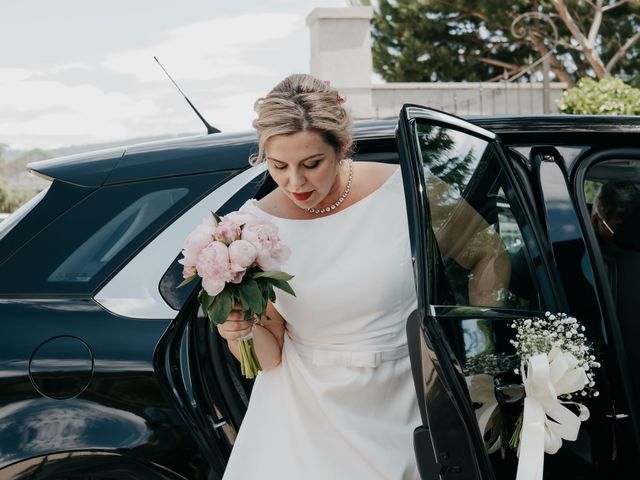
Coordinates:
<point>268,336</point>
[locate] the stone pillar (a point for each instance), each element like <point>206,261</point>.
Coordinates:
<point>341,53</point>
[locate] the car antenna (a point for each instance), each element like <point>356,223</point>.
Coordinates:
<point>210,128</point>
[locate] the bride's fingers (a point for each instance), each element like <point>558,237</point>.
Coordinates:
<point>239,334</point>
<point>233,332</point>
<point>235,326</point>
<point>235,316</point>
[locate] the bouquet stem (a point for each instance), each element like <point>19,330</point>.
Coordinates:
<point>249,363</point>
<point>514,442</point>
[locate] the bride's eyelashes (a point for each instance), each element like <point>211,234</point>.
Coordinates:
<point>305,165</point>
<point>313,165</point>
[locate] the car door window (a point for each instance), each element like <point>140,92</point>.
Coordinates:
<point>472,206</point>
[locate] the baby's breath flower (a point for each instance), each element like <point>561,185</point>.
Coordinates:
<point>540,335</point>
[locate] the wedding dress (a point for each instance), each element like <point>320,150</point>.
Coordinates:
<point>341,404</point>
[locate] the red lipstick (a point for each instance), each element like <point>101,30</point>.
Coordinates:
<point>301,196</point>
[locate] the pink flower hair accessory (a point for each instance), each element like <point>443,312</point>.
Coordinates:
<point>339,99</point>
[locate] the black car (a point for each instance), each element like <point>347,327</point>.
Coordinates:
<point>108,371</point>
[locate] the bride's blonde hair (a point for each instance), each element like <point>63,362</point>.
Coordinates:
<point>300,103</point>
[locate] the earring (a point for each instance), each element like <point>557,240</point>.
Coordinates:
<point>341,162</point>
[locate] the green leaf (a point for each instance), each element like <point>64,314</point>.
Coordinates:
<point>250,293</point>
<point>272,294</point>
<point>263,285</point>
<point>266,288</point>
<point>205,300</point>
<point>282,286</point>
<point>220,307</point>
<point>187,280</point>
<point>233,290</point>
<point>216,217</point>
<point>275,275</point>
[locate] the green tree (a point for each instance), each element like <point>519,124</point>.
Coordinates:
<point>466,40</point>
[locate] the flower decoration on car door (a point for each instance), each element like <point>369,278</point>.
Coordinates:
<point>532,401</point>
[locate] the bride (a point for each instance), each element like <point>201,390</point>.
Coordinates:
<point>335,399</point>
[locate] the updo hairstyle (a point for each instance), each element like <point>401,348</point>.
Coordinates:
<point>301,103</point>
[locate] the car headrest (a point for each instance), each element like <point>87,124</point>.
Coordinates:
<point>627,235</point>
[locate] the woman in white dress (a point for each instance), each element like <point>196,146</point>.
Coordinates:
<point>335,399</point>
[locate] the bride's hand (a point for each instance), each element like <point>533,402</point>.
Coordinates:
<point>235,326</point>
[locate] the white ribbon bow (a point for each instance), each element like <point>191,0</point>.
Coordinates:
<point>546,422</point>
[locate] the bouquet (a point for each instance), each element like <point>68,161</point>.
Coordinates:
<point>555,366</point>
<point>238,258</point>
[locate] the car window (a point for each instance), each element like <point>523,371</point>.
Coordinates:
<point>77,251</point>
<point>110,238</point>
<point>463,171</point>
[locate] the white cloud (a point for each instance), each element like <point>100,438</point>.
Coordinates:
<point>35,95</point>
<point>70,67</point>
<point>30,107</point>
<point>16,75</point>
<point>206,50</point>
<point>223,65</point>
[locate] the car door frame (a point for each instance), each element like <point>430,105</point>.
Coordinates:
<point>432,360</point>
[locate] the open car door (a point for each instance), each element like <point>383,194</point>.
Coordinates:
<point>478,265</point>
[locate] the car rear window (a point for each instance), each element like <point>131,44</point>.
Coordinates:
<point>92,240</point>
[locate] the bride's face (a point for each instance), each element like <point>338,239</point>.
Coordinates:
<point>305,167</point>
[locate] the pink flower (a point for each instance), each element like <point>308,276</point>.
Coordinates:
<point>242,253</point>
<point>264,237</point>
<point>199,238</point>
<point>189,271</point>
<point>213,266</point>
<point>227,231</point>
<point>237,274</point>
<point>240,218</point>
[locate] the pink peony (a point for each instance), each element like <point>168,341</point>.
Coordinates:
<point>199,238</point>
<point>213,266</point>
<point>241,218</point>
<point>242,253</point>
<point>237,273</point>
<point>264,236</point>
<point>189,271</point>
<point>227,231</point>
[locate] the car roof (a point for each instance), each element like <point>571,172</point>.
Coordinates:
<point>230,151</point>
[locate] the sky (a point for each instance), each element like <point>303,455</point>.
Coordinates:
<point>74,72</point>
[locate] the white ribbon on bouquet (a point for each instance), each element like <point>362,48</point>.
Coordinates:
<point>546,421</point>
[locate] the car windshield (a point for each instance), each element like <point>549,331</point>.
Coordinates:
<point>12,220</point>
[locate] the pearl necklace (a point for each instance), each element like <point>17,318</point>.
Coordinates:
<point>342,197</point>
